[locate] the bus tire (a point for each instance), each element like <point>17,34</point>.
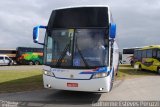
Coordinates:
<point>37,63</point>
<point>132,63</point>
<point>30,63</point>
<point>140,68</point>
<point>158,70</point>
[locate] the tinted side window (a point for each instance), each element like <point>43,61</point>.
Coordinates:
<point>135,54</point>
<point>158,54</point>
<point>154,52</point>
<point>139,55</point>
<point>1,58</point>
<point>128,51</point>
<point>149,53</point>
<point>144,54</point>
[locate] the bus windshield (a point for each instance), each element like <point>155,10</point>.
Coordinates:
<point>85,48</point>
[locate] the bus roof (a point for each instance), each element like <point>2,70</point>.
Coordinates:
<point>8,49</point>
<point>30,47</point>
<point>133,48</point>
<point>150,47</point>
<point>80,6</point>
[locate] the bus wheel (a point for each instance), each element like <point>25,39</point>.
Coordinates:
<point>158,70</point>
<point>30,63</point>
<point>36,63</point>
<point>140,68</point>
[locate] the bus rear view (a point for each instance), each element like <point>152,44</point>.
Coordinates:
<point>80,52</point>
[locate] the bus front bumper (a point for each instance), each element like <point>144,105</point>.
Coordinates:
<point>92,85</point>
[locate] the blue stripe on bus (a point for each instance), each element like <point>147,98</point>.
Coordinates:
<point>99,70</point>
<point>87,73</point>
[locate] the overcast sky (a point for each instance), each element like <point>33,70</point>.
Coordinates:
<point>138,21</point>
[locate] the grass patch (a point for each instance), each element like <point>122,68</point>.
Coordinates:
<point>129,72</point>
<point>125,65</point>
<point>20,80</point>
<point>31,79</point>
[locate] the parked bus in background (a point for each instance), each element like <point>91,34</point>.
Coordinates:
<point>80,51</point>
<point>127,55</point>
<point>148,58</point>
<point>29,55</point>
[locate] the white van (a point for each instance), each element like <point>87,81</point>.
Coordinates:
<point>5,60</point>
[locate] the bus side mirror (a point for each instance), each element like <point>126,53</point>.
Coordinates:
<point>112,30</point>
<point>36,34</point>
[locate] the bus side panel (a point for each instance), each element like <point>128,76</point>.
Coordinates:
<point>30,56</point>
<point>150,64</point>
<point>115,58</point>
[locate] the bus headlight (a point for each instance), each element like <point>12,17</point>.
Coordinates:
<point>100,75</point>
<point>49,73</point>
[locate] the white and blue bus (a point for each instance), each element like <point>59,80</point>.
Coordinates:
<point>80,51</point>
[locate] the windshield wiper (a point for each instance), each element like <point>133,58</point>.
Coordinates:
<point>63,54</point>
<point>79,51</point>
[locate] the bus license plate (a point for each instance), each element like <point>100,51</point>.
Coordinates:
<point>72,84</point>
